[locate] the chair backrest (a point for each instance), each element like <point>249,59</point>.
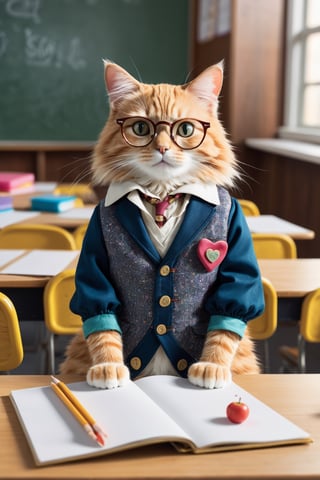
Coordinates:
<point>33,236</point>
<point>79,234</point>
<point>310,317</point>
<point>265,325</point>
<point>11,348</point>
<point>249,208</point>
<point>57,295</point>
<point>268,245</point>
<point>81,190</point>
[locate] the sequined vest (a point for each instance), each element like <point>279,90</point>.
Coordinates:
<point>162,303</point>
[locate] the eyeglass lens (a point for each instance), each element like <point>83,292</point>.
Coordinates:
<point>186,133</point>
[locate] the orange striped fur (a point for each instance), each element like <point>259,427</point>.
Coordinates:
<point>100,357</point>
<point>115,161</point>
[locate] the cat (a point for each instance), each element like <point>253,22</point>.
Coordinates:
<point>173,297</point>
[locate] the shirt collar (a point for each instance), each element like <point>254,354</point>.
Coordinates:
<point>206,191</point>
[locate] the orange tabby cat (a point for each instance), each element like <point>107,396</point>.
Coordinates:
<point>173,296</point>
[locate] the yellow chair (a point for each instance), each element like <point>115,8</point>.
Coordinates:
<point>29,236</point>
<point>249,208</point>
<point>264,326</point>
<point>58,317</point>
<point>268,245</point>
<point>81,190</point>
<point>79,234</point>
<point>11,348</point>
<point>309,331</point>
<point>271,246</point>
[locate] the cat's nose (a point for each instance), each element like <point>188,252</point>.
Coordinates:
<point>162,149</point>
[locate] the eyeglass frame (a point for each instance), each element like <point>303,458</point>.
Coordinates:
<point>205,126</point>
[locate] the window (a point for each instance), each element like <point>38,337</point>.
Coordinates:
<point>302,89</point>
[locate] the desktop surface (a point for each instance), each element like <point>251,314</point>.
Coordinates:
<point>294,396</point>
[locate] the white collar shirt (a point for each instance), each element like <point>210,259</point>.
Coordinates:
<point>162,237</point>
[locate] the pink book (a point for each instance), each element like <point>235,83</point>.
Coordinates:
<point>13,181</point>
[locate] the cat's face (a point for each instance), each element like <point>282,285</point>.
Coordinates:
<point>163,136</point>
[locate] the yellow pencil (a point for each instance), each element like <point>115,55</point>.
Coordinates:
<point>77,409</point>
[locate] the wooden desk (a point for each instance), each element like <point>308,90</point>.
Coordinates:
<point>68,222</point>
<point>274,224</point>
<point>26,292</point>
<point>294,396</point>
<point>292,277</point>
<point>21,201</point>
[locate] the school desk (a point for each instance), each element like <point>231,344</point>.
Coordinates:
<point>26,292</point>
<point>293,279</point>
<point>257,224</point>
<point>278,225</point>
<point>69,220</point>
<point>296,397</point>
<point>271,224</point>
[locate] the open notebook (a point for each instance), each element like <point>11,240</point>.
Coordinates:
<point>148,411</point>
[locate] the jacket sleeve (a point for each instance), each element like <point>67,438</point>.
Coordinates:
<point>94,299</point>
<point>237,295</point>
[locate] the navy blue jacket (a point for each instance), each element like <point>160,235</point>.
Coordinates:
<point>123,284</point>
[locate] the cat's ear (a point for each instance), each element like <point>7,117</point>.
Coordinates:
<point>207,85</point>
<point>119,82</point>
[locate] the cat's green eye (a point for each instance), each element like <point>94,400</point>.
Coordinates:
<point>185,129</point>
<point>141,128</point>
<point>186,133</point>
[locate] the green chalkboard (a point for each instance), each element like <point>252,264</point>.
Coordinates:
<point>51,51</point>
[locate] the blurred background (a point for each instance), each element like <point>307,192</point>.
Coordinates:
<point>53,103</point>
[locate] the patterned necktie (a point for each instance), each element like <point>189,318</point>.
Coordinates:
<point>161,206</point>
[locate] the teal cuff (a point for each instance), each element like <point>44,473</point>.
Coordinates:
<point>231,324</point>
<point>100,323</point>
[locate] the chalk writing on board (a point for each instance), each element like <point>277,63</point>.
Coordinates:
<point>74,58</point>
<point>42,51</point>
<point>39,49</point>
<point>28,9</point>
<point>3,43</point>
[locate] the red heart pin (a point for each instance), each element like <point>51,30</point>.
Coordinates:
<point>210,253</point>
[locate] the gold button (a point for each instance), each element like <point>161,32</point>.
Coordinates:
<point>165,301</point>
<point>182,364</point>
<point>135,363</point>
<point>161,329</point>
<point>164,270</point>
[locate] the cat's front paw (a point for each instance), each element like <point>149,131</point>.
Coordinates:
<point>209,375</point>
<point>108,375</point>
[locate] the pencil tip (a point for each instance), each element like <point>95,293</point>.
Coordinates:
<point>99,439</point>
<point>54,379</point>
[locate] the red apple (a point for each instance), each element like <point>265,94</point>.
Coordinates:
<point>237,412</point>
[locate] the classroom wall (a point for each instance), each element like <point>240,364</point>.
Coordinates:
<point>250,106</point>
<point>288,188</point>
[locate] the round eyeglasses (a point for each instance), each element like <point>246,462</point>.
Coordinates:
<point>187,133</point>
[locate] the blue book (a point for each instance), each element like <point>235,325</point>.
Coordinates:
<point>53,203</point>
<point>6,203</point>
